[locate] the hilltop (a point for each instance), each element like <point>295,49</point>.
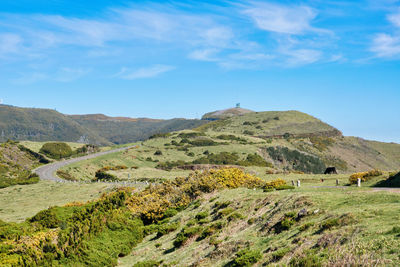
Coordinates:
<point>273,124</point>
<point>225,113</point>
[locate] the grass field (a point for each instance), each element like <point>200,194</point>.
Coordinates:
<point>20,202</point>
<point>362,221</point>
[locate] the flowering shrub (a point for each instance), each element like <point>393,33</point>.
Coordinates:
<point>151,203</point>
<point>364,176</point>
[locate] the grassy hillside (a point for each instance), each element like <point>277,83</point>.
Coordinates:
<point>42,125</point>
<point>176,154</point>
<point>303,227</point>
<point>272,124</point>
<point>35,124</point>
<point>215,218</point>
<point>16,163</point>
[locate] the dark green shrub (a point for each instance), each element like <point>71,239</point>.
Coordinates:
<point>221,205</point>
<point>284,187</point>
<point>46,218</point>
<point>286,224</point>
<point>171,212</point>
<point>169,165</point>
<point>201,215</point>
<point>190,154</point>
<point>185,234</point>
<point>203,142</point>
<point>235,216</point>
<point>56,150</point>
<point>251,221</point>
<point>329,224</point>
<point>248,132</point>
<point>246,257</point>
<point>297,160</point>
<point>279,254</point>
<point>255,160</point>
<point>225,212</point>
<point>160,135</point>
<point>395,230</point>
<point>306,226</point>
<point>158,153</point>
<point>167,228</point>
<point>190,135</point>
<point>103,176</point>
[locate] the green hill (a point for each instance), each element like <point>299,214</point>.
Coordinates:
<point>272,124</point>
<point>49,125</point>
<point>43,125</point>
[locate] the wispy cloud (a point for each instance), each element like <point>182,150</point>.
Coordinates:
<point>282,18</point>
<point>141,73</point>
<point>232,37</point>
<point>387,45</point>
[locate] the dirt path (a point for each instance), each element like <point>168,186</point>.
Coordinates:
<point>47,172</point>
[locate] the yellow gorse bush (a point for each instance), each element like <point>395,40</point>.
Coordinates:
<point>151,203</point>
<point>364,176</point>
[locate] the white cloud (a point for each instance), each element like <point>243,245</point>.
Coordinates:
<point>395,19</point>
<point>141,73</point>
<point>282,19</point>
<point>204,54</point>
<point>385,45</point>
<point>300,57</point>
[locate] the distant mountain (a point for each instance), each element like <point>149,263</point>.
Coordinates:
<point>120,130</point>
<point>43,125</point>
<point>49,125</point>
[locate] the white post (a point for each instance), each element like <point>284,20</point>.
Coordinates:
<point>298,183</point>
<point>358,182</point>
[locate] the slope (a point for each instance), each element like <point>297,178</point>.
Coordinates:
<point>43,125</point>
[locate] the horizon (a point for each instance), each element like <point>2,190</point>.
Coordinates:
<point>337,61</point>
<point>199,118</point>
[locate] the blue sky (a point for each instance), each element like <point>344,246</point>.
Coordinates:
<point>336,60</point>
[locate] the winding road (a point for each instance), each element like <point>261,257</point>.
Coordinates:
<point>47,172</point>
